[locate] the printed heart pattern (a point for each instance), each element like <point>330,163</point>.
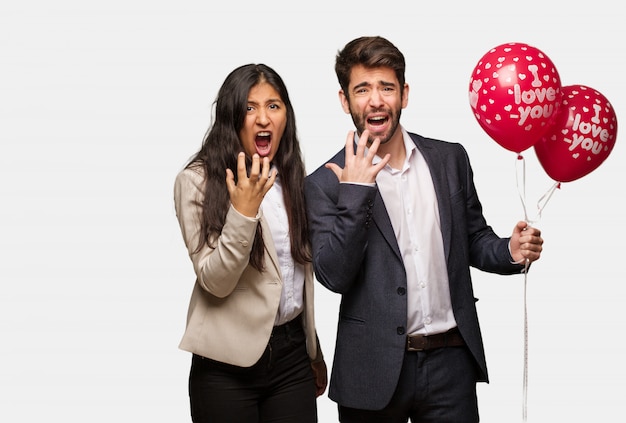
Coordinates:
<point>582,136</point>
<point>514,92</point>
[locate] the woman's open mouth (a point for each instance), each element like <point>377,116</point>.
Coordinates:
<point>263,142</point>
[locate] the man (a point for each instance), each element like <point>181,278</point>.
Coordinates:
<point>395,225</point>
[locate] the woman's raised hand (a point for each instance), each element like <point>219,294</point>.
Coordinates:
<point>247,194</point>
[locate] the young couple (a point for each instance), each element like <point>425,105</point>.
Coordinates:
<point>392,223</point>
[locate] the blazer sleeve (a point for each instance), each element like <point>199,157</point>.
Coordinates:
<point>217,269</point>
<point>487,251</point>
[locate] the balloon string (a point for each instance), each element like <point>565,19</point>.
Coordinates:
<point>525,379</point>
<point>521,188</point>
<point>543,201</point>
<point>520,173</point>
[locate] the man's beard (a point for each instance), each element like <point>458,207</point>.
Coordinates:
<point>360,122</point>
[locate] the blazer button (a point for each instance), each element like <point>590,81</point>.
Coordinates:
<point>401,291</point>
<point>400,330</point>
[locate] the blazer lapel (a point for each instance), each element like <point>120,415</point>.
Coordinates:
<point>379,212</point>
<point>270,248</point>
<point>442,191</point>
<point>383,223</point>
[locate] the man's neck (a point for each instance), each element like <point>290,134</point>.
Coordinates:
<point>395,148</point>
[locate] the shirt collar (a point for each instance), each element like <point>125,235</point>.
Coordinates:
<point>409,147</point>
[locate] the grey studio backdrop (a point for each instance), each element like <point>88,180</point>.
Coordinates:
<point>101,103</point>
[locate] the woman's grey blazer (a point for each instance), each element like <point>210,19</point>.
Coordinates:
<point>233,306</point>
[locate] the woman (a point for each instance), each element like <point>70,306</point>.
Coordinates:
<point>239,202</point>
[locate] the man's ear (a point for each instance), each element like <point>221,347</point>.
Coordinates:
<point>405,95</point>
<point>344,101</point>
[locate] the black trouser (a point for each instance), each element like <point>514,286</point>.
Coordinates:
<point>435,386</point>
<point>278,388</point>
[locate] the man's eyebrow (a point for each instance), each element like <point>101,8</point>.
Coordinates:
<point>387,84</point>
<point>362,84</point>
<point>381,82</point>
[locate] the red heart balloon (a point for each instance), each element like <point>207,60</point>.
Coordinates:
<point>582,136</point>
<point>514,93</point>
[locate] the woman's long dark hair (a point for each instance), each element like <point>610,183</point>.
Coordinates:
<point>219,151</point>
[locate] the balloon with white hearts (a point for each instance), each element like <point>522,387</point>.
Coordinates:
<point>514,92</point>
<point>582,136</point>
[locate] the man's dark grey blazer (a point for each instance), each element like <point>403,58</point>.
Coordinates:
<point>355,254</point>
